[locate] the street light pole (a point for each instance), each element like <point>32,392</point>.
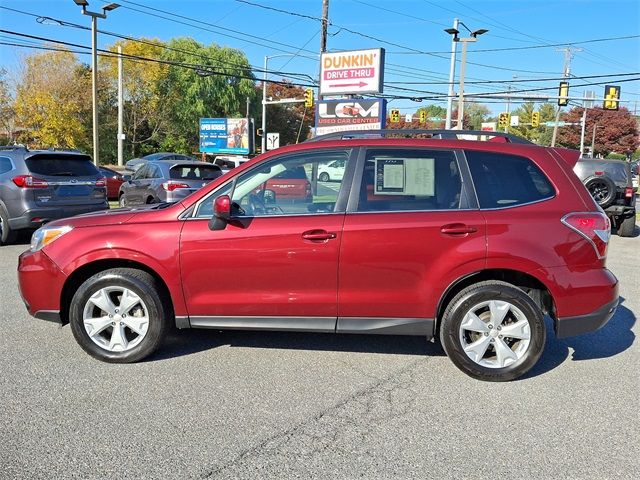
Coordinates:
<point>263,141</point>
<point>593,141</point>
<point>120,109</point>
<point>463,61</point>
<point>94,64</point>
<point>452,74</point>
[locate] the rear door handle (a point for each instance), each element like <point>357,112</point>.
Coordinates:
<point>318,235</point>
<point>457,229</point>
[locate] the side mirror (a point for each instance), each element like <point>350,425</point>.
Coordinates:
<point>221,213</point>
<point>126,178</point>
<point>269,197</point>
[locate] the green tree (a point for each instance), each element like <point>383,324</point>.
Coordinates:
<point>145,106</point>
<point>217,85</point>
<point>52,98</point>
<point>525,130</point>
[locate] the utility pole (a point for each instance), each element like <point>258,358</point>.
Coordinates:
<point>323,37</point>
<point>452,74</point>
<point>120,108</point>
<point>568,54</point>
<point>593,141</point>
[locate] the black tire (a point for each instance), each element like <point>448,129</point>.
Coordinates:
<point>7,235</point>
<point>122,201</point>
<point>452,336</point>
<point>150,201</point>
<point>324,177</point>
<point>142,284</point>
<point>602,189</point>
<point>627,227</point>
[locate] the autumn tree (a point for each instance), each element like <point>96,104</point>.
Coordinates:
<point>616,130</point>
<point>52,97</point>
<point>7,113</point>
<point>211,81</point>
<point>291,120</point>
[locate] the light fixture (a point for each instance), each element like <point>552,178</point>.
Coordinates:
<point>111,6</point>
<point>479,32</point>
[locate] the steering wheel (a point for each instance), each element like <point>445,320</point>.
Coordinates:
<point>256,204</point>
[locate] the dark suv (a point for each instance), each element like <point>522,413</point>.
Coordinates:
<point>470,242</point>
<point>610,182</point>
<point>37,186</point>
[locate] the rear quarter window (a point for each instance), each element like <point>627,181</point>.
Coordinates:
<point>503,180</point>
<point>5,165</point>
<point>61,165</point>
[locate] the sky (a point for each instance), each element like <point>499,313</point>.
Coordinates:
<point>523,44</point>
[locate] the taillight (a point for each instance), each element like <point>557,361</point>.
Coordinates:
<point>628,192</point>
<point>28,181</point>
<point>171,186</point>
<point>101,182</point>
<point>594,226</point>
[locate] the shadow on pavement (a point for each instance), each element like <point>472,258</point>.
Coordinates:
<point>192,341</point>
<point>614,338</point>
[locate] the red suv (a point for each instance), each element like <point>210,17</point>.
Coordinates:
<point>466,241</point>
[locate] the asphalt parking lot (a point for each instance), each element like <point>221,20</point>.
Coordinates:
<point>286,405</point>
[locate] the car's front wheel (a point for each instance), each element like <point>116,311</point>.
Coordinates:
<point>324,177</point>
<point>122,201</point>
<point>119,316</point>
<point>493,331</point>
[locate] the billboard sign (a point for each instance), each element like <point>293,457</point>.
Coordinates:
<point>352,72</point>
<point>488,126</point>
<point>225,135</point>
<point>345,115</point>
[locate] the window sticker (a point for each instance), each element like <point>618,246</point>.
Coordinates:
<point>408,176</point>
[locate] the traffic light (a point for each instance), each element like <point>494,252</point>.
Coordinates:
<point>503,120</point>
<point>563,94</point>
<point>395,116</point>
<point>535,119</point>
<point>611,97</point>
<point>423,116</point>
<point>308,98</point>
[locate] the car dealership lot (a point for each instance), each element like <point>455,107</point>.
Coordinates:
<point>275,405</point>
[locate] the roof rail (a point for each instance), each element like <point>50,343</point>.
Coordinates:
<point>406,133</point>
<point>14,147</point>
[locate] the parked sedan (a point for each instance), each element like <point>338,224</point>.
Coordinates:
<point>136,163</point>
<point>114,180</point>
<point>165,181</point>
<point>333,171</point>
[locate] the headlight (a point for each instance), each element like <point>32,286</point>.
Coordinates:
<point>45,235</point>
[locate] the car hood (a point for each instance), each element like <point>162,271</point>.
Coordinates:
<point>116,216</point>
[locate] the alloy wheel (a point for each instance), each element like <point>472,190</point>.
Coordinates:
<point>116,319</point>
<point>495,334</point>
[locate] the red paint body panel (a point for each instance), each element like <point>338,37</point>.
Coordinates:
<point>40,281</point>
<point>399,264</point>
<point>263,268</point>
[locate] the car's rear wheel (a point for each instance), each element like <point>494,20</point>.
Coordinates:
<point>627,227</point>
<point>7,235</point>
<point>324,177</point>
<point>118,315</point>
<point>493,331</point>
<point>602,189</point>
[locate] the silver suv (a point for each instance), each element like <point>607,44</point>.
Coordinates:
<point>610,184</point>
<point>37,186</point>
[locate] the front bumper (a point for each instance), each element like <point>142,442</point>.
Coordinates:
<point>40,282</point>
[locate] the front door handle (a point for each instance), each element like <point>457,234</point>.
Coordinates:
<point>457,229</point>
<point>318,235</point>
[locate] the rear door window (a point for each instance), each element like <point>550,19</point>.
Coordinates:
<point>61,165</point>
<point>409,180</point>
<point>503,180</point>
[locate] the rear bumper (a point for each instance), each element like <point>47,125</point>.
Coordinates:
<point>572,326</point>
<point>40,282</point>
<point>36,217</point>
<point>625,211</point>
